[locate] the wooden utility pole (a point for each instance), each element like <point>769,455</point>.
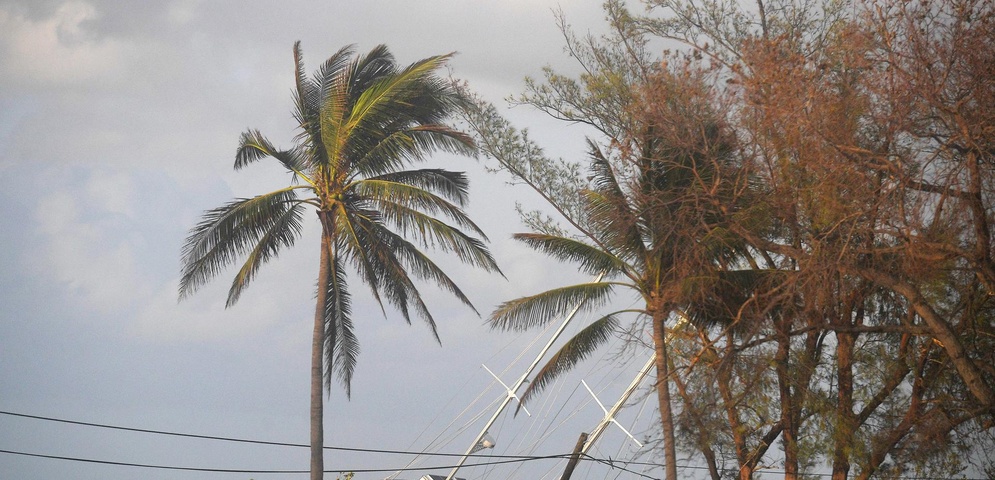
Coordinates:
<point>574,457</point>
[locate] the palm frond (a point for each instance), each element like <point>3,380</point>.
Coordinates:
<point>391,148</point>
<point>374,251</point>
<point>431,137</point>
<point>591,259</point>
<point>333,79</point>
<point>254,146</point>
<point>408,94</point>
<point>609,212</point>
<point>454,186</point>
<point>349,237</point>
<point>307,96</point>
<point>538,310</point>
<point>415,261</point>
<point>368,69</point>
<point>282,233</point>
<point>341,346</point>
<point>226,232</point>
<point>406,206</point>
<point>719,297</point>
<point>579,347</point>
<point>434,233</point>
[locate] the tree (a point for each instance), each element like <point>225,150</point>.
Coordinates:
<point>363,122</point>
<point>637,222</point>
<point>850,278</point>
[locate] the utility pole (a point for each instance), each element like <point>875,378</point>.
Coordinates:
<point>574,457</point>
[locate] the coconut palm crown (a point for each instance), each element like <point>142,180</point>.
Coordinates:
<point>647,229</point>
<point>363,121</point>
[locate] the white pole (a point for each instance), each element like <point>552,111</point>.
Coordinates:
<point>518,384</point>
<point>610,414</point>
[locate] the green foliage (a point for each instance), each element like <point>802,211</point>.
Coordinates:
<point>364,121</point>
<point>801,183</point>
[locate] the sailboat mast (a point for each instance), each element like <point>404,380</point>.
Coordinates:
<point>610,414</point>
<point>519,384</point>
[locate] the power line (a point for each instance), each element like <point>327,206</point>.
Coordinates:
<point>142,465</point>
<point>609,463</point>
<point>245,440</point>
<point>262,472</point>
<point>499,459</point>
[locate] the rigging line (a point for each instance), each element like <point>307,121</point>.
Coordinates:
<point>469,423</point>
<point>239,470</point>
<point>551,428</point>
<point>438,441</point>
<point>522,351</point>
<point>542,414</point>
<point>521,334</point>
<point>554,420</point>
<point>439,413</point>
<point>243,440</point>
<point>639,414</point>
<point>613,465</point>
<point>496,434</point>
<point>602,366</point>
<point>438,438</point>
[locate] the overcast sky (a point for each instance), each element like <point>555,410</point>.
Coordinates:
<point>118,127</point>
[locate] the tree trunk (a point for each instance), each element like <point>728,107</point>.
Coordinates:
<point>843,438</point>
<point>696,416</point>
<point>784,382</point>
<point>663,393</point>
<point>317,363</point>
<point>942,331</point>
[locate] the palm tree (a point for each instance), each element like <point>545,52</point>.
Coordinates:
<point>363,121</point>
<point>647,228</point>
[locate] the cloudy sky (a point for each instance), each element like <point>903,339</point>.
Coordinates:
<point>118,126</point>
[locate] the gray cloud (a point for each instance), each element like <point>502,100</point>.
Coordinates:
<point>118,122</point>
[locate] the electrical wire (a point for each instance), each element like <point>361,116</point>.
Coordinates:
<point>499,459</point>
<point>494,459</point>
<point>250,441</point>
<point>261,472</point>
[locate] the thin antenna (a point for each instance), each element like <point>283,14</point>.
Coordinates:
<point>610,414</point>
<point>519,383</point>
<point>511,393</point>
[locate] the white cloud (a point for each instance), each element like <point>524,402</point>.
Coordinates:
<point>59,50</point>
<point>183,12</point>
<point>203,317</point>
<point>112,192</point>
<point>96,263</point>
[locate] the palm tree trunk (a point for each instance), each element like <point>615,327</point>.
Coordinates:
<point>317,362</point>
<point>663,393</point>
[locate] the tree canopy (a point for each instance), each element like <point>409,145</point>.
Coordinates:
<point>810,186</point>
<point>364,121</point>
